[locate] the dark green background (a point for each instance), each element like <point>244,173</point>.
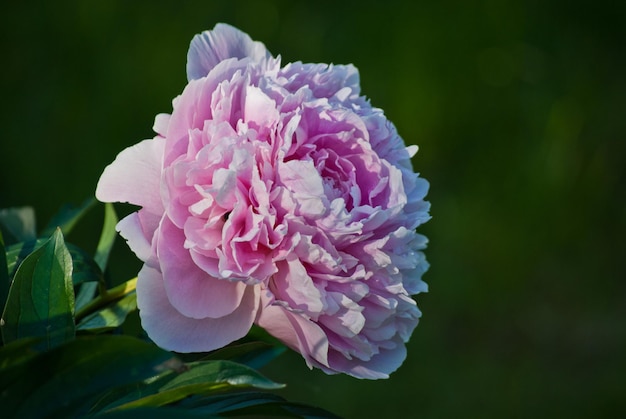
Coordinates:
<point>519,109</point>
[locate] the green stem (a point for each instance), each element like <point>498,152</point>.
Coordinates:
<point>106,297</point>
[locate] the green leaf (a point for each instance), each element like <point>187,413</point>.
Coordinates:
<point>85,294</point>
<point>85,268</point>
<point>12,356</point>
<point>16,353</point>
<point>152,413</point>
<point>107,298</point>
<point>41,297</point>
<point>111,316</point>
<point>276,409</point>
<point>5,279</point>
<point>221,372</point>
<point>16,253</point>
<point>200,378</point>
<point>252,403</point>
<point>230,401</point>
<point>107,237</point>
<point>19,223</point>
<point>65,381</point>
<point>67,217</point>
<point>253,354</point>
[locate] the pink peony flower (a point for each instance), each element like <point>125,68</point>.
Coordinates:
<point>277,196</point>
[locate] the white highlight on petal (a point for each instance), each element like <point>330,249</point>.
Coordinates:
<point>135,176</point>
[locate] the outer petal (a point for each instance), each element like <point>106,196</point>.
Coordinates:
<point>137,233</point>
<point>295,331</point>
<point>135,176</point>
<point>192,291</point>
<point>224,41</point>
<point>379,366</point>
<point>169,329</point>
<point>161,122</point>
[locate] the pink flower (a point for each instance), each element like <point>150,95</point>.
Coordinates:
<point>277,196</point>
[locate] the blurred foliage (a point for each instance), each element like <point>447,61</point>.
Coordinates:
<point>518,109</point>
<point>62,355</point>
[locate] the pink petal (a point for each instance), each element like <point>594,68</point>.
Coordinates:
<point>135,176</point>
<point>193,108</point>
<point>295,331</point>
<point>295,286</point>
<point>379,366</point>
<point>224,41</point>
<point>305,183</point>
<point>260,110</point>
<point>192,291</point>
<point>171,330</point>
<point>138,229</point>
<point>161,122</point>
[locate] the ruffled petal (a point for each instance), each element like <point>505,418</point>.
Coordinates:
<point>192,291</point>
<point>305,183</point>
<point>379,366</point>
<point>135,176</point>
<point>296,331</point>
<point>171,330</point>
<point>224,41</point>
<point>278,196</point>
<point>294,285</point>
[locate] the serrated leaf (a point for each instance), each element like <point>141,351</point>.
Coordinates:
<point>111,316</point>
<point>62,381</point>
<point>19,223</point>
<point>107,237</point>
<point>201,378</point>
<point>67,217</point>
<point>41,297</point>
<point>85,268</point>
